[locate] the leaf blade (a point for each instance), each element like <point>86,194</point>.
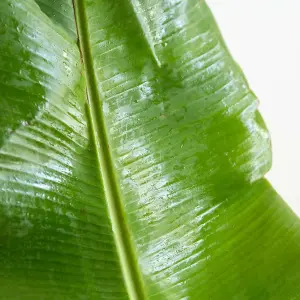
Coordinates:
<point>56,237</point>
<point>188,151</point>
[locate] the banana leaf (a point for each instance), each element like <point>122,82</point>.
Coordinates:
<point>132,159</point>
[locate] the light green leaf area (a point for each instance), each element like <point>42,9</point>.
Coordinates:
<point>132,159</point>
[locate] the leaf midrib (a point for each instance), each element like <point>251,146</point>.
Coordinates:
<point>121,232</point>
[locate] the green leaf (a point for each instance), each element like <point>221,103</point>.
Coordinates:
<point>132,159</point>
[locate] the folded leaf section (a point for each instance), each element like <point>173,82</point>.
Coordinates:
<point>190,152</point>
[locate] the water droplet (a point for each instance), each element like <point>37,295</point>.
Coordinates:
<point>105,108</point>
<point>24,123</point>
<point>65,54</point>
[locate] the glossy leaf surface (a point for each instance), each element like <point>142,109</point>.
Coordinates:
<point>132,159</point>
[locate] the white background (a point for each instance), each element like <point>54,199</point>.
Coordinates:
<point>264,38</point>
